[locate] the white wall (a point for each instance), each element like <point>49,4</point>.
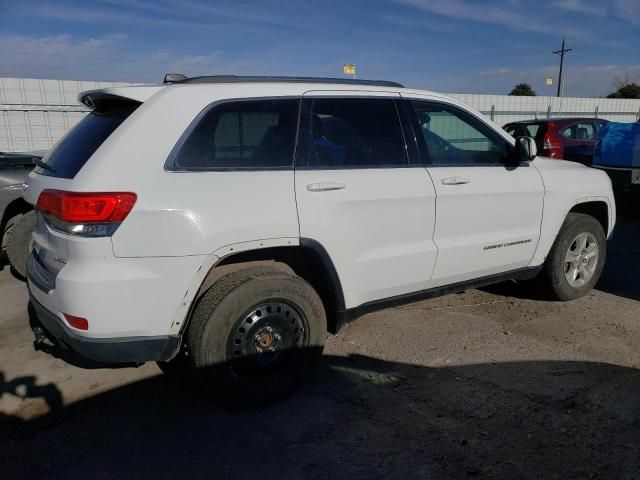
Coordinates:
<point>35,113</point>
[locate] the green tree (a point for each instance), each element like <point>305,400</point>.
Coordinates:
<point>630,90</point>
<point>523,90</point>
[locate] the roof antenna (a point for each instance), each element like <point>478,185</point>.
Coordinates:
<point>174,78</point>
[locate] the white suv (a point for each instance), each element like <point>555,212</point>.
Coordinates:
<point>225,224</point>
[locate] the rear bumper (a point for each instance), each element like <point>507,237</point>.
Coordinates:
<point>107,350</point>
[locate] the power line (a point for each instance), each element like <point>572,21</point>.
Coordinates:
<point>562,52</point>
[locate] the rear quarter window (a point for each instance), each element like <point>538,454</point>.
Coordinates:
<point>252,134</point>
<point>72,152</point>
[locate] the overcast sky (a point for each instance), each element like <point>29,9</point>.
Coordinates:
<point>444,45</point>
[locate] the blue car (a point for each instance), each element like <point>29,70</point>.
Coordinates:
<point>617,152</point>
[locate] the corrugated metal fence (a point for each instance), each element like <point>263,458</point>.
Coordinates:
<point>503,109</point>
<point>35,113</point>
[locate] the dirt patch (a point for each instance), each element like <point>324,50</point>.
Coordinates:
<point>483,384</point>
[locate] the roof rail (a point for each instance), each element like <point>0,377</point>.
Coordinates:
<point>178,78</point>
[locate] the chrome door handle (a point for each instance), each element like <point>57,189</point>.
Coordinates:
<point>455,181</point>
<point>325,186</point>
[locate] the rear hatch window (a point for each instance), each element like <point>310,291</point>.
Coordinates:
<point>72,152</point>
<point>533,130</point>
<point>536,130</point>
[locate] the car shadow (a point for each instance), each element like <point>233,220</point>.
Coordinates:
<point>26,387</point>
<point>621,274</point>
<point>356,417</point>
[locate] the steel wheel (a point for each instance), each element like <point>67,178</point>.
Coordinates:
<point>256,334</point>
<point>581,260</point>
<point>262,340</point>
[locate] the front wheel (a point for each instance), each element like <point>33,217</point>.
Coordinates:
<point>577,257</point>
<point>255,333</point>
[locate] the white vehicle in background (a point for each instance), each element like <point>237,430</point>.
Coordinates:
<point>225,224</point>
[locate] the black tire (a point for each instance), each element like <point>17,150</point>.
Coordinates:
<point>5,236</point>
<point>254,335</point>
<point>556,266</point>
<point>18,241</point>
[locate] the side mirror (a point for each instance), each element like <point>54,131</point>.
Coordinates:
<point>525,149</point>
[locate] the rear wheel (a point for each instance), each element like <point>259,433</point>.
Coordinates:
<point>255,333</point>
<point>18,241</point>
<point>577,257</point>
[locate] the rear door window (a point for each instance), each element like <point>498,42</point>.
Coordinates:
<point>72,152</point>
<point>243,134</point>
<point>356,133</point>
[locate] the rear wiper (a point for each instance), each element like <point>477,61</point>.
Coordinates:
<point>41,164</point>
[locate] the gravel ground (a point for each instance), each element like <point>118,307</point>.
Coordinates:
<point>491,383</point>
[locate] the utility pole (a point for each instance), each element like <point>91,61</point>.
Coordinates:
<point>562,53</point>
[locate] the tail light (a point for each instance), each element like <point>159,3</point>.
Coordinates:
<point>551,146</point>
<point>85,214</point>
<point>547,145</point>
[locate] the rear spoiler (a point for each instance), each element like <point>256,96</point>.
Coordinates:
<point>117,97</point>
<point>103,102</point>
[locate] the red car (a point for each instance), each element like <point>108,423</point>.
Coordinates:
<point>566,138</point>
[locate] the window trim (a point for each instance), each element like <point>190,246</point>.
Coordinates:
<point>413,150</point>
<point>423,154</point>
<point>494,135</point>
<point>170,162</point>
<point>303,149</point>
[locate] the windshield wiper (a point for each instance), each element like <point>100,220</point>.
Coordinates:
<point>41,164</point>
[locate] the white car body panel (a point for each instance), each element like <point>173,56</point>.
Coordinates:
<point>487,217</point>
<point>132,297</point>
<point>486,226</point>
<point>566,185</point>
<point>389,232</point>
<point>378,229</point>
<point>243,206</point>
